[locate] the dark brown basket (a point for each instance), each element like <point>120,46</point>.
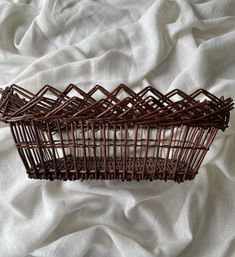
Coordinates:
<point>123,135</point>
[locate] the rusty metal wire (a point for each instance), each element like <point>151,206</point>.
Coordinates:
<point>122,134</point>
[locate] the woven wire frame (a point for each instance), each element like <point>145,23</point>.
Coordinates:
<point>146,135</point>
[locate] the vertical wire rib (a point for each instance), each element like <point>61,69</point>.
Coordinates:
<point>23,138</point>
<point>31,135</point>
<point>134,154</point>
<point>174,146</point>
<point>94,151</point>
<point>139,162</point>
<point>167,154</point>
<point>146,153</point>
<point>178,140</point>
<point>188,143</point>
<point>19,137</point>
<point>194,159</point>
<point>195,139</point>
<point>73,128</point>
<point>186,151</point>
<point>32,148</point>
<point>162,152</point>
<point>198,158</point>
<point>210,140</point>
<point>184,135</point>
<point>108,155</point>
<point>39,145</point>
<point>158,142</point>
<point>125,153</point>
<point>114,151</point>
<point>63,150</point>
<point>69,149</point>
<point>46,151</point>
<point>52,145</point>
<point>100,150</point>
<point>90,161</point>
<point>84,151</point>
<point>23,155</point>
<point>121,159</point>
<point>104,150</point>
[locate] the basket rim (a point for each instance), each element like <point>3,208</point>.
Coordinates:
<point>148,106</point>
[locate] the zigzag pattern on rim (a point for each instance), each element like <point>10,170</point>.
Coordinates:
<point>148,106</point>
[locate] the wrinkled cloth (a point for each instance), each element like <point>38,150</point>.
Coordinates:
<point>163,43</point>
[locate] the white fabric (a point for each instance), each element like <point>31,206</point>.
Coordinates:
<point>164,43</point>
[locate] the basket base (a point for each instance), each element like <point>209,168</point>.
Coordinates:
<point>155,169</point>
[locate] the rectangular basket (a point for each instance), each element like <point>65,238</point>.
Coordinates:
<point>122,135</point>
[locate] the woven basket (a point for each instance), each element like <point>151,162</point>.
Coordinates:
<point>122,135</point>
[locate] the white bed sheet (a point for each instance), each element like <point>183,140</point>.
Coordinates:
<point>167,44</point>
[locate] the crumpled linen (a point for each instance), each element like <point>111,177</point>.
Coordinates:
<point>163,43</point>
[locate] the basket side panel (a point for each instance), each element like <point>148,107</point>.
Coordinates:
<point>92,150</point>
